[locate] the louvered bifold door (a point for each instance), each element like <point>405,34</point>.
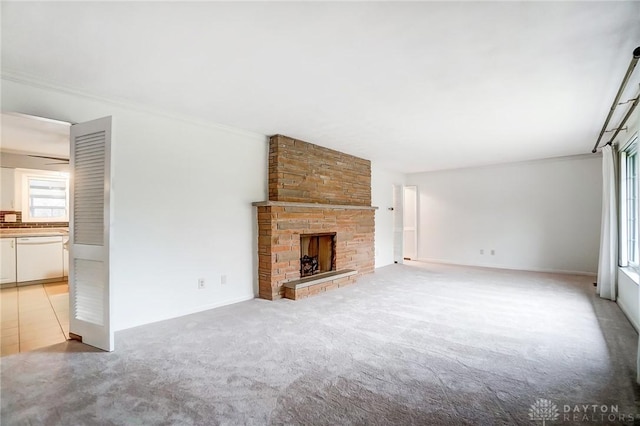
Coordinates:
<point>89,230</point>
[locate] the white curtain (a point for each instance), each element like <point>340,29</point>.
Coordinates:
<point>608,263</point>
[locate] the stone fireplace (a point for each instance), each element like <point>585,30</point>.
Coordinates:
<point>320,207</point>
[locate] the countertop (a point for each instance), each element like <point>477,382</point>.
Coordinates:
<point>33,232</point>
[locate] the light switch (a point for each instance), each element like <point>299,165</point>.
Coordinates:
<point>10,218</point>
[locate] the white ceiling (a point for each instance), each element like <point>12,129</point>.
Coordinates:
<point>412,86</point>
<point>23,134</point>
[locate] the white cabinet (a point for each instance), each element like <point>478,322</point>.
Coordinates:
<point>39,258</point>
<point>8,258</point>
<point>7,187</point>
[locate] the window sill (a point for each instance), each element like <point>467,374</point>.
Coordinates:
<point>631,273</point>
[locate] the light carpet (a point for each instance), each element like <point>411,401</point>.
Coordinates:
<point>421,344</point>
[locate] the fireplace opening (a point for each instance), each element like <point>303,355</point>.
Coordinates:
<point>317,254</point>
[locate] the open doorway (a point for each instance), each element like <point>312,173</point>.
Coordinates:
<point>34,229</point>
<point>50,204</point>
<point>410,223</point>
<point>397,224</point>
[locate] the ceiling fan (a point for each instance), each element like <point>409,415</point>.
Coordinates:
<point>60,159</point>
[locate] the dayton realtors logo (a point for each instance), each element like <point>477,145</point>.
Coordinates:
<point>600,413</point>
<point>545,410</point>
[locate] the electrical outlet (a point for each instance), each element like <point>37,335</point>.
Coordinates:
<point>223,279</point>
<point>200,283</point>
<point>481,251</point>
<point>493,252</point>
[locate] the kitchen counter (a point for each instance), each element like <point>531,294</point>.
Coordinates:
<point>33,232</point>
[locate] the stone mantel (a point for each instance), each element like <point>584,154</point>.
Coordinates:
<point>311,205</point>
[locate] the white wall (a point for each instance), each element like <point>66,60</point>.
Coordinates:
<point>182,204</point>
<point>540,215</point>
<point>382,182</point>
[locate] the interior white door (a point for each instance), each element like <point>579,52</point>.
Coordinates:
<point>397,224</point>
<point>410,222</point>
<point>89,232</point>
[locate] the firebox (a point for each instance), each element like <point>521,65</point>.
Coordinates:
<point>317,253</point>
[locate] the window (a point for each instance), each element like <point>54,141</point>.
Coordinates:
<point>45,196</point>
<point>629,208</point>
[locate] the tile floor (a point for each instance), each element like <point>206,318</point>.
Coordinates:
<point>33,317</point>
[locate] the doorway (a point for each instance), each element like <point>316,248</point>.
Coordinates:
<point>397,223</point>
<point>34,229</point>
<point>410,223</point>
<point>88,208</point>
<point>88,219</point>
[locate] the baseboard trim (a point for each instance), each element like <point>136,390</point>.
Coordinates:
<point>510,268</point>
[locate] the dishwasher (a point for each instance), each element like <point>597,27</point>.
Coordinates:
<point>39,258</point>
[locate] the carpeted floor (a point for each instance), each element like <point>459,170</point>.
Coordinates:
<point>421,344</point>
